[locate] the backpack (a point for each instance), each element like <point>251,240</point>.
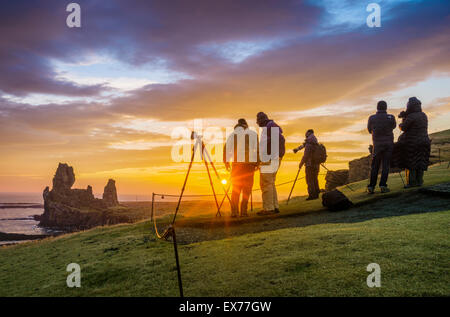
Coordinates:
<point>336,201</point>
<point>320,154</point>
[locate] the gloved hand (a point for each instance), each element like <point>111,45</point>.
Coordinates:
<point>295,150</point>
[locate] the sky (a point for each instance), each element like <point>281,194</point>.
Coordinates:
<point>107,97</point>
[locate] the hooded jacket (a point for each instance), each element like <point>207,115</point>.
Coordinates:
<point>266,138</point>
<point>381,126</point>
<point>241,146</point>
<point>416,145</point>
<point>310,145</point>
<point>415,125</point>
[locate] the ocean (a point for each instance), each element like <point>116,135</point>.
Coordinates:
<point>20,220</point>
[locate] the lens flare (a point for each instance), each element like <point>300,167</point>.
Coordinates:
<point>224,181</point>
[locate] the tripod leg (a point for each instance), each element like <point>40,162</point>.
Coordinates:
<point>346,185</point>
<point>185,181</point>
<point>223,199</point>
<point>212,187</point>
<point>174,239</point>
<point>293,185</point>
<point>215,171</point>
<point>401,177</point>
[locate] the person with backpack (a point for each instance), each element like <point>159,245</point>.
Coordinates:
<point>270,160</point>
<point>381,126</point>
<point>311,159</point>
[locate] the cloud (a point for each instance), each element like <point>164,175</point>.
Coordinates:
<point>223,60</point>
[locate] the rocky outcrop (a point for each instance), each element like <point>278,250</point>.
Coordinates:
<point>335,179</point>
<point>74,209</point>
<point>64,178</point>
<point>110,194</point>
<point>359,169</point>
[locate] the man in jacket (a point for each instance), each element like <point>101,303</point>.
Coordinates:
<point>311,167</point>
<point>381,126</point>
<point>242,148</point>
<point>271,149</point>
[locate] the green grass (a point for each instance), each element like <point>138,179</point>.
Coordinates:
<point>440,140</point>
<point>313,254</point>
<point>356,192</point>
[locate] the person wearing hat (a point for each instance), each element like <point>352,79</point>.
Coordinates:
<point>270,161</point>
<point>381,126</point>
<point>242,148</point>
<point>311,167</point>
<point>417,144</point>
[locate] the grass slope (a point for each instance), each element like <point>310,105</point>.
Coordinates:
<point>440,140</point>
<point>321,258</point>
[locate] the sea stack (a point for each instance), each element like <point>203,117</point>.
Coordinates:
<point>73,209</point>
<point>110,194</point>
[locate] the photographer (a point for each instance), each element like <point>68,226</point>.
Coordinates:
<point>268,172</point>
<point>381,126</point>
<point>417,145</point>
<point>311,167</point>
<point>242,148</point>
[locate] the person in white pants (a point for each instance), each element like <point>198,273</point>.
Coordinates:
<point>271,149</point>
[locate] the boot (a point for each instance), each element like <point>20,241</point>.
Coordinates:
<point>385,189</point>
<point>419,177</point>
<point>410,178</point>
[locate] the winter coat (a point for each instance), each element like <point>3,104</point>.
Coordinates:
<point>266,137</point>
<point>381,125</point>
<point>414,142</point>
<point>241,146</point>
<point>311,144</point>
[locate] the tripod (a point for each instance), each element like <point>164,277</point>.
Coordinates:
<point>206,158</point>
<point>295,181</point>
<point>293,185</point>
<point>346,185</point>
<point>170,231</point>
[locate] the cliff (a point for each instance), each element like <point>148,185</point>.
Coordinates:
<point>73,209</point>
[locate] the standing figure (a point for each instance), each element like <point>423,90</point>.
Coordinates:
<point>381,126</point>
<point>271,150</point>
<point>312,167</point>
<point>417,144</point>
<point>242,148</point>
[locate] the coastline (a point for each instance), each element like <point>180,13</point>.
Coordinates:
<point>20,205</point>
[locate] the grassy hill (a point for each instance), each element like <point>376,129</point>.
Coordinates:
<point>304,251</point>
<point>440,140</point>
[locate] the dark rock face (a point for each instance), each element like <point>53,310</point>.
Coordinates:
<point>335,179</point>
<point>64,178</point>
<point>110,194</point>
<point>359,169</point>
<point>74,209</point>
